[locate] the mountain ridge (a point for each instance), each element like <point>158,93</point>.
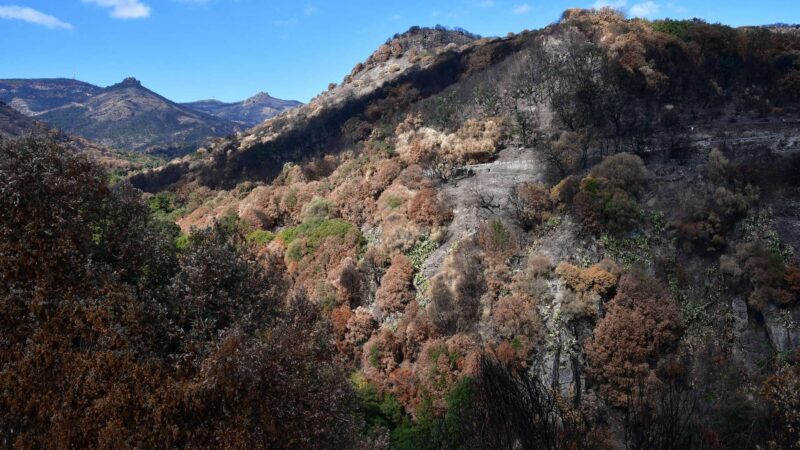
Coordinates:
<point>129,116</point>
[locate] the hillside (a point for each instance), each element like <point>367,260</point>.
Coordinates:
<point>15,125</point>
<point>249,112</point>
<point>130,116</point>
<point>520,195</point>
<point>579,237</point>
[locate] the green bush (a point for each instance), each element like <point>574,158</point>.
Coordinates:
<point>164,207</point>
<point>295,251</point>
<point>674,27</point>
<point>393,202</point>
<point>318,208</point>
<point>378,410</point>
<point>182,241</point>
<point>317,230</point>
<point>260,237</point>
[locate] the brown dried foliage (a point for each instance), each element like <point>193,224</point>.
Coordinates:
<point>428,207</point>
<point>641,324</point>
<point>396,289</point>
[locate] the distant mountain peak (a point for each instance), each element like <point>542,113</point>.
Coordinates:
<point>129,82</point>
<point>250,112</point>
<point>258,98</point>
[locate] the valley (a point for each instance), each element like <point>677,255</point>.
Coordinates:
<point>580,236</point>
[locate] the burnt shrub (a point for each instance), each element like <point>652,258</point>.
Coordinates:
<point>607,196</point>
<point>530,204</point>
<point>456,291</point>
<point>642,323</point>
<point>497,240</point>
<point>428,207</point>
<point>763,272</point>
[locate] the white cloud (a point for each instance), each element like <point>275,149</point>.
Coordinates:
<point>522,9</point>
<point>615,4</point>
<point>310,10</point>
<point>124,9</point>
<point>31,15</point>
<point>645,9</point>
<point>396,17</point>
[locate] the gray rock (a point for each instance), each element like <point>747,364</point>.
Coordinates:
<point>739,311</point>
<point>783,328</point>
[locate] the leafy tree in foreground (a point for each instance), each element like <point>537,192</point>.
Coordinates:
<point>111,335</point>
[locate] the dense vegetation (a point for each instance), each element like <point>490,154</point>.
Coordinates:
<point>524,244</point>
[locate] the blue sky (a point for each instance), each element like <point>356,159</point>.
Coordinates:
<point>230,49</point>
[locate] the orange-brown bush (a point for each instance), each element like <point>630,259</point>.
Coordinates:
<point>641,324</point>
<point>353,201</point>
<point>359,327</point>
<point>428,207</point>
<point>588,287</point>
<point>413,330</point>
<point>599,279</point>
<point>515,315</point>
<point>443,362</point>
<point>413,177</point>
<point>387,170</point>
<point>261,208</point>
<point>349,282</point>
<point>396,288</point>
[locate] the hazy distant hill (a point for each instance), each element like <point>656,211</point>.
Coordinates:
<point>15,125</point>
<point>34,96</point>
<point>250,112</point>
<point>125,116</point>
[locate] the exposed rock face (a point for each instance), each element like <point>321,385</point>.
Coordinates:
<point>249,112</point>
<point>783,328</point>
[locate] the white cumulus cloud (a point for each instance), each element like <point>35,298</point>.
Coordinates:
<point>645,9</point>
<point>124,9</point>
<point>522,9</point>
<point>31,15</point>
